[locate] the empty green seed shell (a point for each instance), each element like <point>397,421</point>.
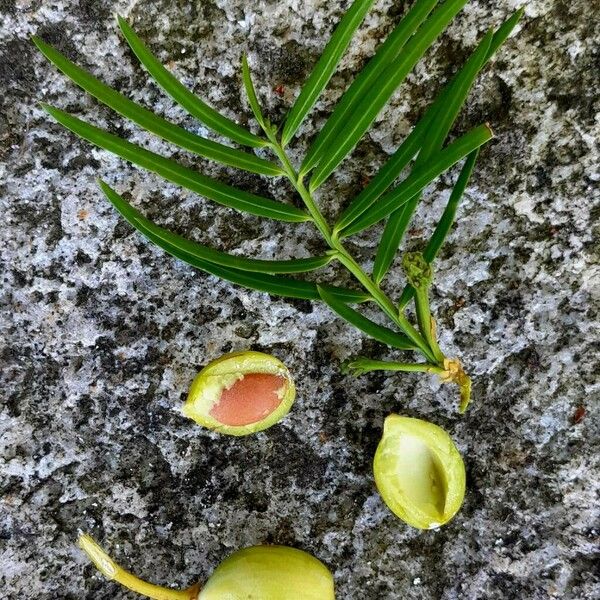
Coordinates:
<point>419,472</point>
<point>241,393</point>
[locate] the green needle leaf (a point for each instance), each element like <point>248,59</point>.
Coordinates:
<point>393,232</point>
<point>386,175</point>
<point>420,178</point>
<point>454,99</point>
<point>445,110</point>
<point>374,100</point>
<point>145,226</point>
<point>387,52</point>
<point>325,67</point>
<point>445,116</point>
<point>277,285</point>
<point>153,123</point>
<point>445,223</point>
<point>504,31</point>
<point>176,173</point>
<point>189,101</point>
<point>392,169</point>
<point>251,92</point>
<point>376,331</point>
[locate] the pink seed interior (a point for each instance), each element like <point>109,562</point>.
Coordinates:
<point>249,399</point>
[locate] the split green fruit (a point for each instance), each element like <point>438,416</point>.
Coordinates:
<point>256,573</point>
<point>241,393</point>
<point>419,472</point>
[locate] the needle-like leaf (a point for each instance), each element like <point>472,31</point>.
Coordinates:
<point>277,285</point>
<point>445,223</point>
<point>184,97</point>
<point>393,232</point>
<point>325,67</point>
<point>176,173</point>
<point>376,331</point>
<point>387,52</point>
<point>374,100</point>
<point>433,140</point>
<point>445,111</point>
<point>392,169</point>
<point>145,226</point>
<point>154,123</point>
<point>453,101</point>
<point>251,92</point>
<point>420,178</point>
<point>386,175</point>
<point>504,31</point>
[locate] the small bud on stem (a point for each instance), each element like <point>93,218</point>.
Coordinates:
<point>418,271</point>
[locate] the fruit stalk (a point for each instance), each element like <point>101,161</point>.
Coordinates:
<point>111,570</point>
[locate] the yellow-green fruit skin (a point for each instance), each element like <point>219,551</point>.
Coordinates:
<point>231,365</point>
<point>269,573</point>
<point>412,455</point>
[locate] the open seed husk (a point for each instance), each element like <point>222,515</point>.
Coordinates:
<point>419,472</point>
<point>241,393</point>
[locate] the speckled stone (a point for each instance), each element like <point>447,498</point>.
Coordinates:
<point>102,334</point>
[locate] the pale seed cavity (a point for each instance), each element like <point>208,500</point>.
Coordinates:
<point>419,476</point>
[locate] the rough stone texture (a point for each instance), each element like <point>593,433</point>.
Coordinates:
<point>102,333</point>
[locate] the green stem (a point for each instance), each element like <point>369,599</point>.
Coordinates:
<point>344,256</point>
<point>382,300</point>
<point>364,365</point>
<point>299,186</point>
<point>425,322</point>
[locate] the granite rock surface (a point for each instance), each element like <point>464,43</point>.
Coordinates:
<point>101,333</point>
